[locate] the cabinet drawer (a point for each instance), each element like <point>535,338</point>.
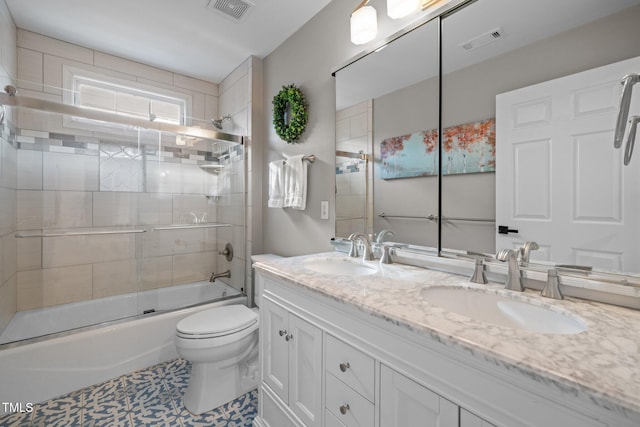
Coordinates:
<point>351,366</point>
<point>358,411</point>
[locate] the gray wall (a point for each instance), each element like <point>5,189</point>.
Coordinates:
<point>309,56</point>
<point>307,60</point>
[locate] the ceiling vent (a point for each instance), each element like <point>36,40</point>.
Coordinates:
<point>483,39</point>
<point>235,9</point>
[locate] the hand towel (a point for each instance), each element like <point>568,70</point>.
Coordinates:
<point>295,183</point>
<point>276,188</point>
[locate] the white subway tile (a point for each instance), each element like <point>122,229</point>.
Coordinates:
<point>134,68</point>
<point>70,172</point>
<point>44,288</point>
<point>114,208</point>
<point>195,85</point>
<point>156,272</point>
<point>30,69</point>
<point>181,241</point>
<point>38,42</point>
<point>115,278</point>
<point>154,209</point>
<point>193,267</point>
<point>8,165</point>
<point>8,301</point>
<point>53,209</point>
<point>29,253</point>
<point>189,208</point>
<point>9,253</point>
<point>7,210</point>
<point>76,250</point>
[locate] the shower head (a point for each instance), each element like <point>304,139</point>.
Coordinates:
<point>218,122</point>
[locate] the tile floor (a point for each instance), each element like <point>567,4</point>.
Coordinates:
<point>149,397</point>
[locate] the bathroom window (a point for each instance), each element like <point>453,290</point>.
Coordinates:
<point>88,89</point>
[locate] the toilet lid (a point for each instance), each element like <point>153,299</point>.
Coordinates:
<point>218,321</point>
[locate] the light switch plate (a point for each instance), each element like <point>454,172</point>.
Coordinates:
<point>324,209</point>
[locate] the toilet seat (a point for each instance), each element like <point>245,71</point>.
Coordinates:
<point>216,322</point>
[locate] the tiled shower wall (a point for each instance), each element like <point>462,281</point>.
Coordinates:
<point>353,177</point>
<point>74,179</point>
<point>71,183</point>
<point>8,178</point>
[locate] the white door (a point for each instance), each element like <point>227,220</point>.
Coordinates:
<point>404,402</point>
<point>275,360</point>
<point>559,181</point>
<point>305,375</point>
<point>467,419</point>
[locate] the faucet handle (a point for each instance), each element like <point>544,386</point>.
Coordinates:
<point>478,275</point>
<point>386,255</point>
<point>552,288</point>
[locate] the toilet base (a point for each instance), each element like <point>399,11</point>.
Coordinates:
<point>211,386</point>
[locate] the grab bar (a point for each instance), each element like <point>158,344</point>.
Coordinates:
<point>187,226</point>
<point>631,139</point>
<point>77,233</point>
<point>433,217</point>
<point>625,102</point>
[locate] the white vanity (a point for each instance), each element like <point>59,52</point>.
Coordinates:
<point>347,343</point>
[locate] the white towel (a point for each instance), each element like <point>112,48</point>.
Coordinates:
<point>295,183</point>
<point>276,181</point>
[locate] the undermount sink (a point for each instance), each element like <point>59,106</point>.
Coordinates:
<point>504,311</point>
<point>338,267</point>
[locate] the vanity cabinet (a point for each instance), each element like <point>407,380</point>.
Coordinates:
<point>327,363</point>
<point>291,362</point>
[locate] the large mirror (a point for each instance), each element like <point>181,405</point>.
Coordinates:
<point>529,99</point>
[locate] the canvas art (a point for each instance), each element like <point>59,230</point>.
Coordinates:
<point>467,148</point>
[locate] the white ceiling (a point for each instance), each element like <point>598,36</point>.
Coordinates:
<point>184,36</point>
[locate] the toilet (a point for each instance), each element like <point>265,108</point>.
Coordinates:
<point>222,345</point>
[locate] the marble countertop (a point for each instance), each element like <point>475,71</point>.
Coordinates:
<point>601,364</point>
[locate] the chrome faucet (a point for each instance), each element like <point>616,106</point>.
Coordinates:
<point>382,234</point>
<point>367,255</point>
<point>514,280</point>
<point>526,249</point>
<point>215,275</point>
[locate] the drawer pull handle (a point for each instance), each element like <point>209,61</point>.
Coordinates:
<point>288,337</point>
<point>344,366</point>
<point>344,408</point>
<point>282,332</point>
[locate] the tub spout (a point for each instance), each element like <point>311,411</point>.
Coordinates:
<point>215,275</point>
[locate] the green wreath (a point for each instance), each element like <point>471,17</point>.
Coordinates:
<point>290,113</point>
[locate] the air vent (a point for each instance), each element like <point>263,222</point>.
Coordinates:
<point>483,39</point>
<point>235,9</point>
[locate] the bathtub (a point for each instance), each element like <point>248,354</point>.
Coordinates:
<point>39,369</point>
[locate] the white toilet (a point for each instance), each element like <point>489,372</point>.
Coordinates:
<point>222,345</point>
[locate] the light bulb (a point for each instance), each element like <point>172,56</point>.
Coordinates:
<point>400,8</point>
<point>364,25</point>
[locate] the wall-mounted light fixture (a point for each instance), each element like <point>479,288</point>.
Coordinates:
<point>400,8</point>
<point>364,23</point>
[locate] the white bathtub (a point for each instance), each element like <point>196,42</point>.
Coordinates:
<point>36,370</point>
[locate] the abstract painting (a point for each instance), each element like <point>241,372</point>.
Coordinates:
<point>468,148</point>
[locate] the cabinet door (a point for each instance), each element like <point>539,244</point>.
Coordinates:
<point>467,419</point>
<point>275,360</point>
<point>404,402</point>
<point>305,375</point>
